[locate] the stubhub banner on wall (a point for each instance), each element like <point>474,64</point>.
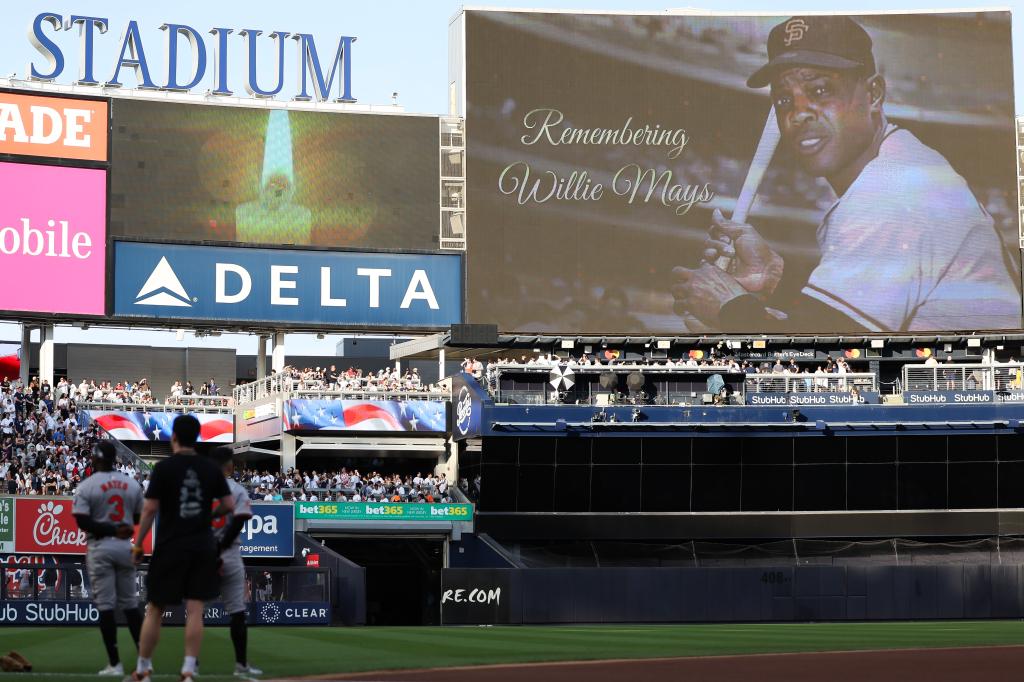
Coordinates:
<point>165,281</point>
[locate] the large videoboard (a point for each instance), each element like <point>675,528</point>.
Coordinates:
<point>606,155</point>
<point>198,172</point>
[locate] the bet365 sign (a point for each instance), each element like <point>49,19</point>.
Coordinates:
<point>206,55</point>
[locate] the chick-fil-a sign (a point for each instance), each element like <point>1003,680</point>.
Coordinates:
<point>47,526</point>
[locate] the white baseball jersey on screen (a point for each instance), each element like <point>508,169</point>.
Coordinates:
<point>108,497</point>
<point>243,507</point>
<point>908,247</point>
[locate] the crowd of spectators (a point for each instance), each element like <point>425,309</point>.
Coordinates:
<point>357,380</point>
<point>43,449</point>
<point>345,485</point>
<point>726,365</point>
<point>136,392</point>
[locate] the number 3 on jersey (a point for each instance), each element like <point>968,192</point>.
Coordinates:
<point>118,503</point>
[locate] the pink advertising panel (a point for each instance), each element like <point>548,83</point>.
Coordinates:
<point>52,239</point>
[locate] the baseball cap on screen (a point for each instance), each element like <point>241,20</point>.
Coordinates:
<point>832,42</point>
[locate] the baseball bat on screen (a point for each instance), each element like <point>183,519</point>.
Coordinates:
<point>758,165</point>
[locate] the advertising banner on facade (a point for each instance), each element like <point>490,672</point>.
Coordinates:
<point>6,525</point>
<point>326,288</point>
<point>124,425</point>
<point>468,399</point>
<point>55,127</point>
<point>270,532</point>
<point>274,176</point>
<point>824,398</point>
<point>476,596</point>
<point>53,232</point>
<point>614,189</point>
<point>405,416</point>
<point>948,397</point>
<point>377,511</point>
<point>84,612</point>
<point>45,525</point>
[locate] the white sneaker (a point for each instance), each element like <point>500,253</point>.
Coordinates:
<point>243,670</point>
<point>113,670</point>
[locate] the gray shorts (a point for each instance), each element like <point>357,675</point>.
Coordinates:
<point>112,576</point>
<point>232,582</point>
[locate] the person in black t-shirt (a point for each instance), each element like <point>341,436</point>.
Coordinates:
<point>182,489</point>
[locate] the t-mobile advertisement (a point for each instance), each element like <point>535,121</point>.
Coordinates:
<point>791,174</point>
<point>52,239</point>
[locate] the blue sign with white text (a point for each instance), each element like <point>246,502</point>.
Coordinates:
<point>331,288</point>
<point>270,532</point>
<point>468,397</point>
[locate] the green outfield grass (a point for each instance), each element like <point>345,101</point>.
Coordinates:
<point>63,653</point>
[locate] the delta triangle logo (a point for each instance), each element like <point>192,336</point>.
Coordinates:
<point>163,288</point>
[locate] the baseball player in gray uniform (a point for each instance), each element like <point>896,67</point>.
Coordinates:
<point>232,584</point>
<point>905,247</point>
<point>106,506</point>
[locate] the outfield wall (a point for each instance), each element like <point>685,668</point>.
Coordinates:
<point>671,595</point>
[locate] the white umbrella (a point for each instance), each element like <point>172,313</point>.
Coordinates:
<point>561,377</point>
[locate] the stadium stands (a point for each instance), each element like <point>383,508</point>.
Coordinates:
<point>43,448</point>
<point>346,486</point>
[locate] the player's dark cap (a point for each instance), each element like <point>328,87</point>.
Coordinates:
<point>832,42</point>
<point>105,451</point>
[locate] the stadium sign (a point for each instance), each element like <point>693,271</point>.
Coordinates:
<point>948,397</point>
<point>270,532</point>
<point>53,223</point>
<point>45,525</point>
<point>377,511</point>
<point>82,612</point>
<point>6,525</point>
<point>282,286</point>
<point>467,420</point>
<point>824,398</point>
<point>56,127</point>
<point>474,596</point>
<point>132,56</point>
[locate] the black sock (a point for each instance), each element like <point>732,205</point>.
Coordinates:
<point>239,636</point>
<point>134,619</point>
<point>108,628</point>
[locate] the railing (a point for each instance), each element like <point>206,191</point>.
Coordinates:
<point>275,384</point>
<point>670,384</point>
<point>382,394</point>
<point>282,385</point>
<point>964,377</point>
<point>810,383</point>
<point>200,407</point>
<point>190,400</point>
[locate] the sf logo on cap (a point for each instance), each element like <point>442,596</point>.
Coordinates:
<point>795,29</point>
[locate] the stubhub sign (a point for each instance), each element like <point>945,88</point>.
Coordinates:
<point>228,284</point>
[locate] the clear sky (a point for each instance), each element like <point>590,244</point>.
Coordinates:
<point>402,47</point>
